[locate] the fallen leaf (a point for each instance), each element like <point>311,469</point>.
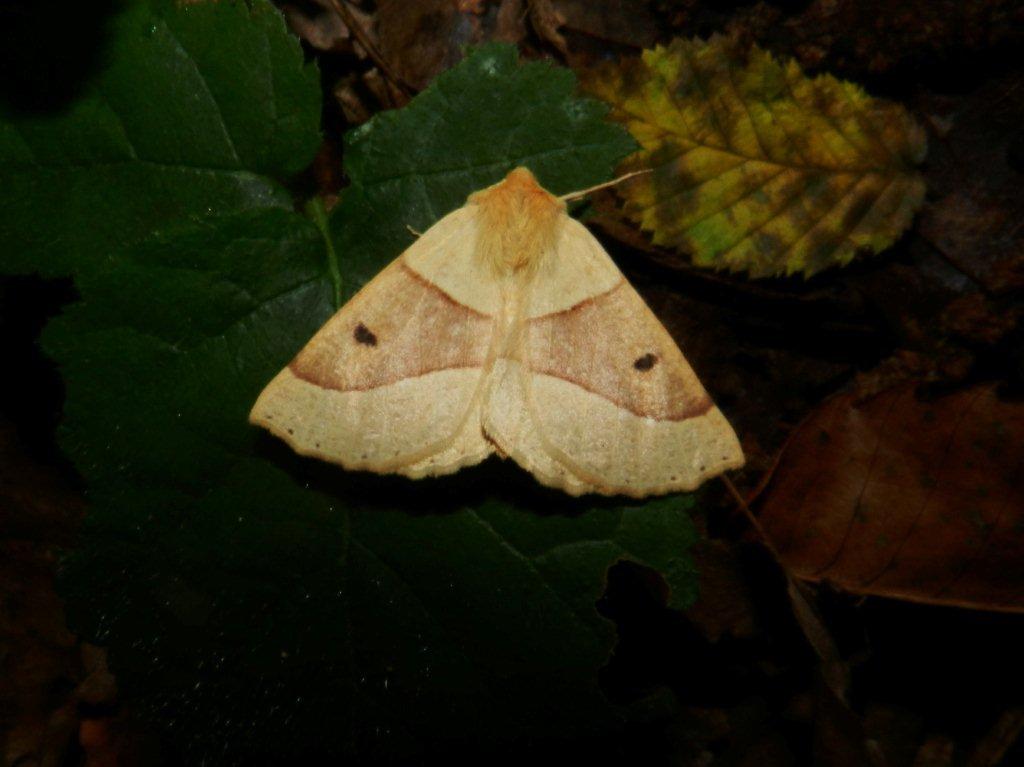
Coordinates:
<point>626,22</point>
<point>324,29</point>
<point>982,233</point>
<point>903,366</point>
<point>908,298</point>
<point>981,319</point>
<point>757,167</point>
<point>422,39</point>
<point>547,21</point>
<point>977,218</point>
<point>906,498</point>
<point>871,36</point>
<point>362,94</point>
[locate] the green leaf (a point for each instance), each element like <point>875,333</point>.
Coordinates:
<point>257,604</point>
<point>181,124</point>
<point>474,124</point>
<point>757,167</point>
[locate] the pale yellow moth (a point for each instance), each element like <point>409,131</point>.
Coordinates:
<point>505,328</point>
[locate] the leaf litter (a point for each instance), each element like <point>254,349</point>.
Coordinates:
<point>907,498</point>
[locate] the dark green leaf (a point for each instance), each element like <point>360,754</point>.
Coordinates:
<point>477,122</point>
<point>254,602</point>
<point>196,113</point>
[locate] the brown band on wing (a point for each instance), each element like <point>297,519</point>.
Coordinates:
<point>595,345</point>
<point>440,291</point>
<point>416,329</point>
<point>697,408</point>
<point>582,304</point>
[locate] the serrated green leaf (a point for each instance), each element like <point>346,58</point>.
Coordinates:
<point>174,128</point>
<point>259,606</point>
<point>757,167</point>
<point>477,122</point>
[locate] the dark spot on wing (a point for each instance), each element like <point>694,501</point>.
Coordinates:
<point>364,335</point>
<point>645,363</point>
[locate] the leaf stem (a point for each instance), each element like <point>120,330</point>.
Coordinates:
<point>318,213</point>
<point>834,670</point>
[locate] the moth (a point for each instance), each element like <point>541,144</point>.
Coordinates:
<point>505,328</point>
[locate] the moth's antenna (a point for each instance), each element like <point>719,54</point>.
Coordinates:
<point>605,185</point>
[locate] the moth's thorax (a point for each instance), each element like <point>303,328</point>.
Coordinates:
<point>518,222</point>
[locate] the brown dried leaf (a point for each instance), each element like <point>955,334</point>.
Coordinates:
<point>859,36</point>
<point>899,497</point>
<point>626,22</point>
<point>324,29</point>
<point>421,40</point>
<point>977,220</point>
<point>547,21</point>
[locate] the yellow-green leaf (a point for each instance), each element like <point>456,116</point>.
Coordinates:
<point>757,167</point>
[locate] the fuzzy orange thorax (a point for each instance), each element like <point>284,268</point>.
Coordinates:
<point>518,222</point>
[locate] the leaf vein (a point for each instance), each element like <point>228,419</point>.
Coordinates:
<point>209,92</point>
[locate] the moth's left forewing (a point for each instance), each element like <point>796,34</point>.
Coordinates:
<point>393,381</point>
<point>599,397</point>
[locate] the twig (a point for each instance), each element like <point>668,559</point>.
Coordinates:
<point>371,50</point>
<point>754,521</point>
<point>833,667</point>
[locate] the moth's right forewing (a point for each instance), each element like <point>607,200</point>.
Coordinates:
<point>599,398</point>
